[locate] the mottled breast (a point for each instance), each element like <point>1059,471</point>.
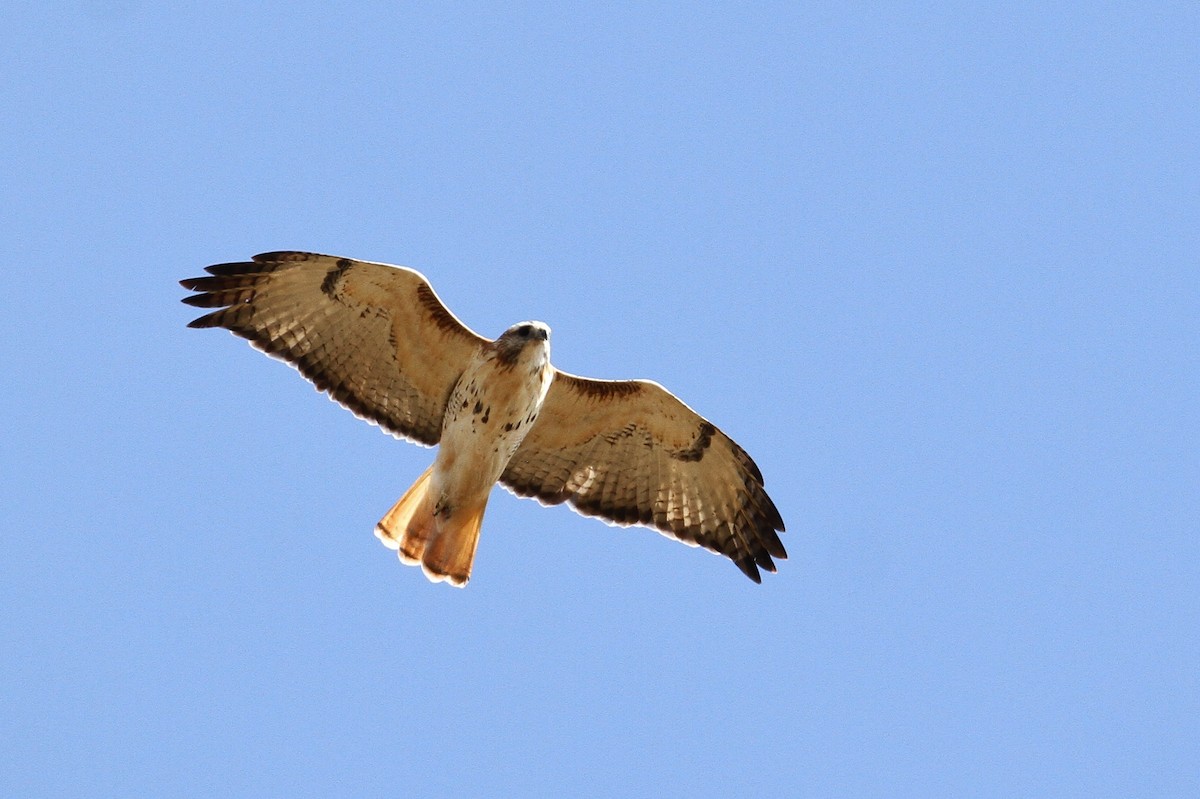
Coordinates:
<point>491,409</point>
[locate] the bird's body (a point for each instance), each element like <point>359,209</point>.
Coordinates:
<point>493,406</point>
<point>379,341</point>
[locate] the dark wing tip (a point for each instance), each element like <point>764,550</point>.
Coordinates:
<point>749,568</point>
<point>760,541</point>
<point>203,301</point>
<point>772,545</point>
<point>235,268</point>
<point>224,286</point>
<point>266,261</point>
<point>776,519</point>
<point>263,262</point>
<point>282,255</point>
<point>208,320</point>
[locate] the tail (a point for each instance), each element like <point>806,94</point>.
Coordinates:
<point>445,546</point>
<point>408,525</point>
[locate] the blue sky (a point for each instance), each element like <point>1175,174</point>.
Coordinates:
<point>933,265</point>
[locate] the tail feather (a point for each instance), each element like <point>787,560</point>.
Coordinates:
<point>408,526</point>
<point>444,547</point>
<point>451,552</point>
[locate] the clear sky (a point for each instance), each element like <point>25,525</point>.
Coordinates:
<point>933,265</point>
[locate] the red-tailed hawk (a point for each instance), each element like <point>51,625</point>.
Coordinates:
<point>380,342</point>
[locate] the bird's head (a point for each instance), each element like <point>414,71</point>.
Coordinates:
<point>525,341</point>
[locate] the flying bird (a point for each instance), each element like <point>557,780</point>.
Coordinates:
<point>378,340</point>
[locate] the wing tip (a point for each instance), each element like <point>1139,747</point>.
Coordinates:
<point>773,545</point>
<point>208,320</point>
<point>263,262</point>
<point>232,268</point>
<point>749,568</point>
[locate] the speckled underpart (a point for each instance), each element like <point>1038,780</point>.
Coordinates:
<point>488,415</point>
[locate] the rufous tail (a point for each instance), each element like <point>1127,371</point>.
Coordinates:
<point>444,546</point>
<point>408,525</point>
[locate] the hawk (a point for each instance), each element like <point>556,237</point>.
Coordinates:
<point>378,340</point>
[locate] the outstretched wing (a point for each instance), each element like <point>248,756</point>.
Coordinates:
<point>631,452</point>
<point>374,336</point>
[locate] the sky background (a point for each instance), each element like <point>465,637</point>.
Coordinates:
<point>933,265</point>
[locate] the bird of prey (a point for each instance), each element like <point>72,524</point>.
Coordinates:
<point>381,343</point>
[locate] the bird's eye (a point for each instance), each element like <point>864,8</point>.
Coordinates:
<point>525,330</point>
